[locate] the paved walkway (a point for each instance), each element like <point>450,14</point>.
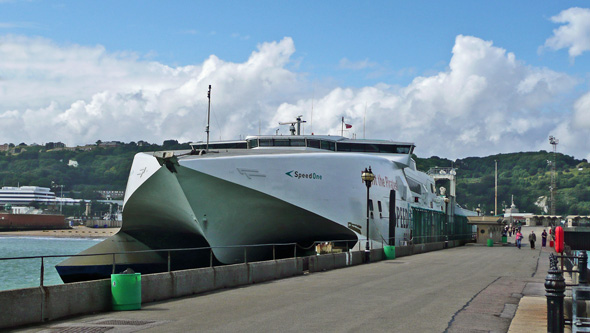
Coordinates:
<point>531,314</point>
<point>467,289</point>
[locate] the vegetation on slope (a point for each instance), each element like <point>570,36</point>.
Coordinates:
<point>526,175</point>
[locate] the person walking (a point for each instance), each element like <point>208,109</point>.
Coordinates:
<point>544,238</point>
<point>532,239</point>
<point>518,239</point>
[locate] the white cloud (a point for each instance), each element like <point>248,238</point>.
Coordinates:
<point>573,132</point>
<point>575,34</point>
<point>487,101</point>
<point>355,65</point>
<point>12,25</point>
<point>81,94</point>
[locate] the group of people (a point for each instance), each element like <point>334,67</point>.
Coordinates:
<point>517,231</point>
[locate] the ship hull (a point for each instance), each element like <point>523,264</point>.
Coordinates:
<point>17,222</point>
<point>238,208</point>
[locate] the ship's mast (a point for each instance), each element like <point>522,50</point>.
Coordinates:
<point>208,118</point>
<point>292,123</point>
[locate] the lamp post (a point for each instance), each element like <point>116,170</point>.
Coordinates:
<point>367,176</point>
<point>54,184</point>
<point>447,217</point>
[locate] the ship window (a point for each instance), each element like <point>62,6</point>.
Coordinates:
<point>343,147</point>
<point>370,148</point>
<point>313,144</point>
<point>228,145</point>
<point>379,207</point>
<point>388,149</point>
<point>328,145</point>
<point>414,186</point>
<point>403,149</point>
<point>281,142</point>
<point>298,142</point>
<point>265,142</point>
<point>371,207</point>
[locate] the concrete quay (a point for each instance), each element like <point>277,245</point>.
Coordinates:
<point>463,289</point>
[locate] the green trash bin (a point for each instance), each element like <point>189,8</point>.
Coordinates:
<point>504,239</point>
<point>490,242</point>
<point>389,251</point>
<point>126,291</point>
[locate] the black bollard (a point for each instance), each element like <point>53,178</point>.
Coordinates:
<point>583,268</point>
<point>555,290</point>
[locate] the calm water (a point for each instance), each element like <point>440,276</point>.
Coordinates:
<point>26,273</point>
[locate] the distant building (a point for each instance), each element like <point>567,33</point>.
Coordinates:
<point>54,145</point>
<point>112,194</point>
<point>545,220</point>
<point>4,147</point>
<point>81,148</point>
<point>577,221</point>
<point>512,216</point>
<point>110,144</point>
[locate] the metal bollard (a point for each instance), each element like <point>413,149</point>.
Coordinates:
<point>583,268</point>
<point>555,292</point>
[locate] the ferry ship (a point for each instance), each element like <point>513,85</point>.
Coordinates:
<point>274,189</point>
<point>25,195</point>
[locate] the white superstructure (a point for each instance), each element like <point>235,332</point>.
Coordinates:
<point>25,195</point>
<point>269,189</point>
<point>298,189</point>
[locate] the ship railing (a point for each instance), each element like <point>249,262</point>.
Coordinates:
<point>345,244</point>
<point>167,251</point>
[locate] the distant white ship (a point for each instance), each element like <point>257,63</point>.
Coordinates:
<point>265,189</point>
<point>25,195</point>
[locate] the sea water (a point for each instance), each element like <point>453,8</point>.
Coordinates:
<point>25,273</point>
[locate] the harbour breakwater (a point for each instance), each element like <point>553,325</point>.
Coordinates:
<point>40,304</point>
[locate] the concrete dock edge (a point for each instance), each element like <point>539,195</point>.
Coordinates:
<point>40,304</point>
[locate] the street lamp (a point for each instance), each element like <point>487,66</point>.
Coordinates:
<point>54,184</point>
<point>447,217</point>
<point>367,176</point>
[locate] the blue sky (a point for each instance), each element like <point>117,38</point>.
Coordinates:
<point>79,71</point>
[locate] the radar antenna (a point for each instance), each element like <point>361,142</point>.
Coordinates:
<point>292,127</point>
<point>208,118</point>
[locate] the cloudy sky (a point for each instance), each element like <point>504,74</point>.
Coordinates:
<point>458,78</point>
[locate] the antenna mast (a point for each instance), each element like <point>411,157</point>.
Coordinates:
<point>553,141</point>
<point>292,127</point>
<point>208,117</point>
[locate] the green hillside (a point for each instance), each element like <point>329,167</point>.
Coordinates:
<point>99,168</point>
<point>525,175</point>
